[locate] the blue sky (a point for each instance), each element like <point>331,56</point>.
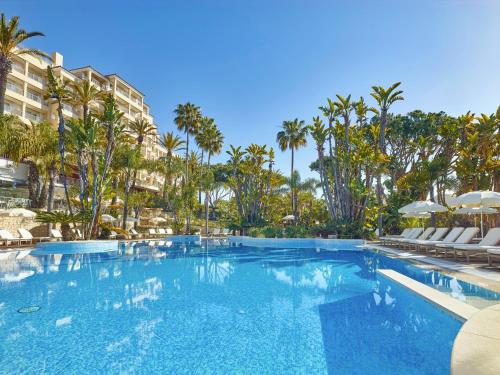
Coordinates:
<point>252,64</point>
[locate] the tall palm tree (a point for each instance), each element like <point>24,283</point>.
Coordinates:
<point>57,90</point>
<point>187,119</point>
<point>319,133</point>
<point>10,39</point>
<point>210,140</point>
<point>292,137</point>
<point>141,129</point>
<point>205,122</point>
<point>385,98</point>
<point>171,143</point>
<point>85,93</point>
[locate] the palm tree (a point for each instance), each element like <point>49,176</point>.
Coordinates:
<point>319,133</point>
<point>385,98</point>
<point>85,93</point>
<point>171,143</point>
<point>293,136</point>
<point>199,138</point>
<point>10,39</point>
<point>187,119</point>
<point>141,129</point>
<point>210,140</point>
<point>58,91</point>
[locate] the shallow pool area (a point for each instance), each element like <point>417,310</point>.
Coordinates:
<point>212,307</point>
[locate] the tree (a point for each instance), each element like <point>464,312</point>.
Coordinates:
<point>141,129</point>
<point>292,137</point>
<point>187,119</point>
<point>211,141</point>
<point>385,98</point>
<point>58,91</point>
<point>10,39</point>
<point>172,143</point>
<point>83,94</point>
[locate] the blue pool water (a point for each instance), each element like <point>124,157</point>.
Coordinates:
<point>217,309</point>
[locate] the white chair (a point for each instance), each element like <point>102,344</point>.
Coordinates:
<point>26,235</point>
<point>56,234</point>
<point>170,232</point>
<point>161,231</point>
<point>134,233</point>
<point>7,237</point>
<point>152,232</point>
<point>451,237</point>
<point>466,237</point>
<point>436,236</point>
<point>491,239</point>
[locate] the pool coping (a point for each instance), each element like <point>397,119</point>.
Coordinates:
<point>465,272</point>
<point>477,344</point>
<point>457,308</point>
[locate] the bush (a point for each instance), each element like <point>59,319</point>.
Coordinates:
<point>271,231</point>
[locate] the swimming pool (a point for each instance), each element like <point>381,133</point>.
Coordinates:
<point>216,308</point>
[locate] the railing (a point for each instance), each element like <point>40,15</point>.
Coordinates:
<point>36,77</point>
<point>33,96</point>
<point>13,109</point>
<point>122,92</point>
<point>33,116</point>
<point>18,68</point>
<point>13,87</point>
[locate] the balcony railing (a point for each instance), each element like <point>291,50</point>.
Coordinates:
<point>37,98</point>
<point>18,68</point>
<point>15,88</point>
<point>13,109</point>
<point>36,77</point>
<point>33,116</point>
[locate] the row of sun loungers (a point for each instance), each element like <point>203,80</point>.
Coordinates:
<point>458,240</point>
<point>24,237</point>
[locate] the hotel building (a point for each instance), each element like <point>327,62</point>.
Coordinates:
<point>24,98</point>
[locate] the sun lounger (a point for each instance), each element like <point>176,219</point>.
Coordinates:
<point>451,237</point>
<point>404,242</point>
<point>134,233</point>
<point>492,252</point>
<point>56,233</point>
<point>492,238</point>
<point>162,232</point>
<point>26,234</point>
<point>152,232</point>
<point>436,236</point>
<point>216,232</point>
<point>466,237</point>
<point>225,232</point>
<point>170,232</point>
<point>112,234</point>
<point>8,237</point>
<point>403,234</point>
<point>412,234</point>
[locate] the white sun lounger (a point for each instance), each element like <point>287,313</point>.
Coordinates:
<point>161,232</point>
<point>26,234</point>
<point>451,237</point>
<point>404,234</point>
<point>56,233</point>
<point>134,233</point>
<point>152,232</point>
<point>436,236</point>
<point>411,235</point>
<point>492,252</point>
<point>169,231</point>
<point>491,239</point>
<point>466,237</point>
<point>404,243</point>
<point>7,237</point>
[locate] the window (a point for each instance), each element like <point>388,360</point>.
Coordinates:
<point>33,116</point>
<point>14,87</point>
<point>34,96</point>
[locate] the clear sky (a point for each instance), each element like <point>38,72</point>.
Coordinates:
<point>252,64</point>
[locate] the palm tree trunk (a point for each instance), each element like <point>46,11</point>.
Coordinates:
<point>50,196</point>
<point>292,187</point>
<point>5,69</point>
<point>125,203</point>
<point>383,120</point>
<point>206,198</point>
<point>188,215</point>
<point>62,152</point>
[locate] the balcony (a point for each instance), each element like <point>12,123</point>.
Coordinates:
<point>13,109</point>
<point>17,67</point>
<point>36,77</point>
<point>33,116</point>
<point>14,88</point>
<point>34,96</point>
<point>122,92</point>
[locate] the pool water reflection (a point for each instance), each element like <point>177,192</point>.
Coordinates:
<point>213,308</point>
